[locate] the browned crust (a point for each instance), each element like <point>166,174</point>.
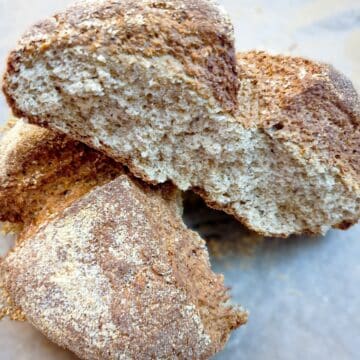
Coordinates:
<point>44,171</point>
<point>160,206</point>
<point>300,102</point>
<point>305,103</point>
<point>197,33</point>
<point>165,244</point>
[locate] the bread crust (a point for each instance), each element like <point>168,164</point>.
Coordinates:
<point>108,278</point>
<point>291,92</point>
<point>308,104</point>
<point>306,110</point>
<point>42,171</point>
<point>198,33</point>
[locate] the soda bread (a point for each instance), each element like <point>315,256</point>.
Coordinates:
<point>273,141</point>
<point>112,271</point>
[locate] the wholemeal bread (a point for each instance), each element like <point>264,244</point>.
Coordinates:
<point>41,171</point>
<point>111,272</point>
<point>117,275</point>
<point>276,144</point>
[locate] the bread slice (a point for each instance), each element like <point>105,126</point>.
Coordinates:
<point>283,157</point>
<point>118,275</point>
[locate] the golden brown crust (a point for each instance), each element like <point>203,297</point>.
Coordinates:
<point>307,104</point>
<point>197,33</point>
<point>42,171</point>
<point>135,281</point>
<point>178,303</point>
<point>305,108</point>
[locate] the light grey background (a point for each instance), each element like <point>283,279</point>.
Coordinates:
<point>302,293</point>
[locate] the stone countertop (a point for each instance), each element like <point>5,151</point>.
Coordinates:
<point>302,293</point>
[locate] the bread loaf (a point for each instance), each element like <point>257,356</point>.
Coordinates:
<point>154,85</point>
<point>113,273</point>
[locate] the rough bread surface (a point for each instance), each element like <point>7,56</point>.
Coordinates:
<point>284,159</point>
<point>118,276</point>
<point>195,36</point>
<point>42,171</point>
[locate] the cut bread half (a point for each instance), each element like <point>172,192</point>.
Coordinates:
<point>105,268</point>
<point>283,159</point>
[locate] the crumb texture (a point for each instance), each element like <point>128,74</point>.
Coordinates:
<point>122,279</point>
<point>197,33</point>
<point>284,161</point>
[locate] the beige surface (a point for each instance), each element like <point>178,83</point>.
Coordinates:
<point>303,295</point>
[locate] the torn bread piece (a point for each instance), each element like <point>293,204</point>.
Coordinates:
<point>118,275</point>
<point>139,80</point>
<point>111,270</point>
